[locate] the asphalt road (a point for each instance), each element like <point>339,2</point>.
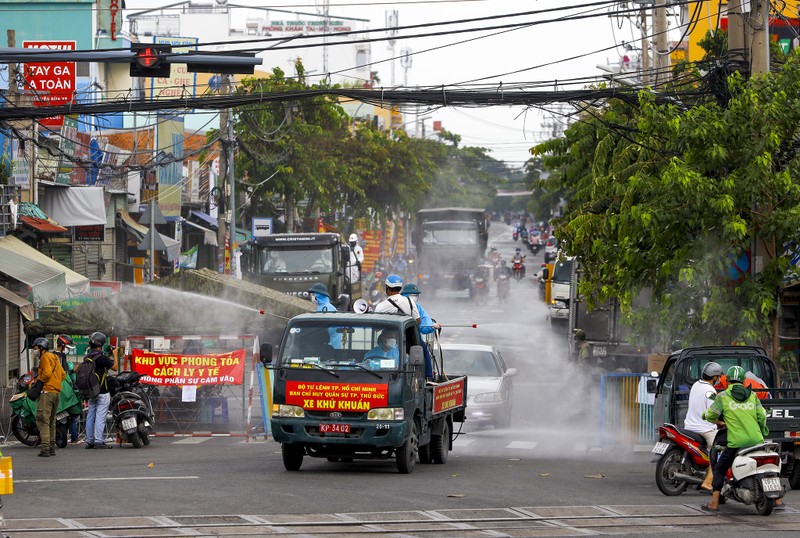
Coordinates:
<point>549,474</point>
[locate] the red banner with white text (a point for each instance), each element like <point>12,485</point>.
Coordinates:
<point>173,369</point>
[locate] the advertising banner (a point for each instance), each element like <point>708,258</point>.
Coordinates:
<point>53,83</point>
<point>173,369</point>
<point>353,397</point>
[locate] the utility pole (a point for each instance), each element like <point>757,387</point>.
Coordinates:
<point>759,54</point>
<point>645,50</point>
<point>391,24</point>
<point>223,172</point>
<point>326,22</point>
<point>736,47</point>
<point>232,184</point>
<point>661,54</point>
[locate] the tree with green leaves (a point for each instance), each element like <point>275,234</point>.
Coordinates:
<point>700,204</point>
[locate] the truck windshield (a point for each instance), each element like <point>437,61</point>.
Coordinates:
<point>562,272</point>
<point>461,236</point>
<point>375,346</point>
<point>306,260</point>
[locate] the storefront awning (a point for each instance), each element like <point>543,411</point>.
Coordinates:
<point>42,225</point>
<point>75,206</point>
<point>205,218</point>
<point>163,243</point>
<point>25,307</point>
<point>76,284</point>
<point>209,236</point>
<point>132,227</point>
<point>47,284</point>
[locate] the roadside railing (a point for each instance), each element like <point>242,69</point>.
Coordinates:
<point>626,409</point>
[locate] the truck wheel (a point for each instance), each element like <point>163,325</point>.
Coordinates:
<point>794,477</point>
<point>425,454</point>
<point>292,456</point>
<point>440,445</point>
<point>407,454</point>
<point>667,466</point>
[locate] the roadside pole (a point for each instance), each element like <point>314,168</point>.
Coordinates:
<point>661,53</point>
<point>645,56</point>
<point>223,171</point>
<point>232,184</point>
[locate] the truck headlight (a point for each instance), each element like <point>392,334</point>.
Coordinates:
<point>283,410</point>
<point>386,413</point>
<point>489,397</point>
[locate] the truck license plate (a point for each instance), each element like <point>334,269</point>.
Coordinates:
<point>599,351</point>
<point>129,424</point>
<point>334,428</point>
<point>771,484</point>
<point>660,448</point>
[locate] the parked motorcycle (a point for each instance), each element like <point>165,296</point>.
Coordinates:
<point>502,288</point>
<point>131,411</point>
<point>681,461</point>
<point>23,412</point>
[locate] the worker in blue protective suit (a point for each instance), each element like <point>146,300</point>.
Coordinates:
<point>426,323</point>
<point>318,293</point>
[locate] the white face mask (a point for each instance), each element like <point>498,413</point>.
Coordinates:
<point>413,298</point>
<point>391,342</point>
<point>36,353</point>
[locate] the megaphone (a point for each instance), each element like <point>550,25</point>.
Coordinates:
<point>361,306</point>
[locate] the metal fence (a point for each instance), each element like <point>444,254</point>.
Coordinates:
<point>626,409</point>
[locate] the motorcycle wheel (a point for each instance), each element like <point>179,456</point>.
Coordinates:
<point>135,439</point>
<point>145,438</point>
<point>28,437</point>
<point>62,430</point>
<point>669,464</point>
<point>764,505</point>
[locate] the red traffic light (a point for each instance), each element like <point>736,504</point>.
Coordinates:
<point>147,57</point>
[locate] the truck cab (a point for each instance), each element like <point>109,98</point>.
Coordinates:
<point>560,289</point>
<point>291,263</point>
<point>352,386</point>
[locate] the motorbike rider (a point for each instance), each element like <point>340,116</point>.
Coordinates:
<point>64,345</point>
<point>98,406</point>
<point>394,302</point>
<point>51,374</point>
<point>746,421</point>
<point>519,257</point>
<point>503,270</point>
<point>356,259</point>
<point>700,399</point>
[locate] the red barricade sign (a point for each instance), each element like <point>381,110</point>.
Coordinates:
<point>171,369</point>
<point>355,397</point>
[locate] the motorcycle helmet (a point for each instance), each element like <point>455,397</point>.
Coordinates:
<point>711,369</point>
<point>66,341</point>
<point>736,374</point>
<point>43,343</point>
<point>394,282</point>
<point>97,339</point>
<point>352,239</point>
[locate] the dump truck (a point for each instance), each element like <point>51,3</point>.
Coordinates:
<point>292,263</point>
<point>450,243</point>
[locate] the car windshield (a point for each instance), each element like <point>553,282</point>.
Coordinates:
<point>336,346</point>
<point>562,272</point>
<point>470,362</point>
<point>306,260</point>
<point>462,236</point>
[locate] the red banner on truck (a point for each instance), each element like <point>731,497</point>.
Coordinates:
<point>346,397</point>
<point>448,395</point>
<point>172,369</point>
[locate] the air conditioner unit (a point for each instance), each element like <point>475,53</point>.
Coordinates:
<point>49,310</point>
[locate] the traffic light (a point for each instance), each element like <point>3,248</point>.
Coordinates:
<point>150,60</point>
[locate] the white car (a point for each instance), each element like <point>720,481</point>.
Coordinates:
<point>489,384</point>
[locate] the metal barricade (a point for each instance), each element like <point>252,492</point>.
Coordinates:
<point>626,412</point>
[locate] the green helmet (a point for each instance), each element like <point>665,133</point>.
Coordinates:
<point>736,374</point>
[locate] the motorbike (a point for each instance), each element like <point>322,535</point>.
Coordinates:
<point>131,411</point>
<point>502,288</point>
<point>681,459</point>
<point>754,478</point>
<point>480,287</point>
<point>515,234</point>
<point>23,412</point>
<point>518,269</point>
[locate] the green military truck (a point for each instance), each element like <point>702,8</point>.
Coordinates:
<point>340,395</point>
<point>291,263</point>
<point>782,405</point>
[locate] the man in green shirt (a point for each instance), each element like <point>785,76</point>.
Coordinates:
<point>746,421</point>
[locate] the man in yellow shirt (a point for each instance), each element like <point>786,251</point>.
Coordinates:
<point>51,374</point>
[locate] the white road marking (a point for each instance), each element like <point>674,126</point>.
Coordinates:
<point>106,479</point>
<point>191,441</point>
<point>528,445</point>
